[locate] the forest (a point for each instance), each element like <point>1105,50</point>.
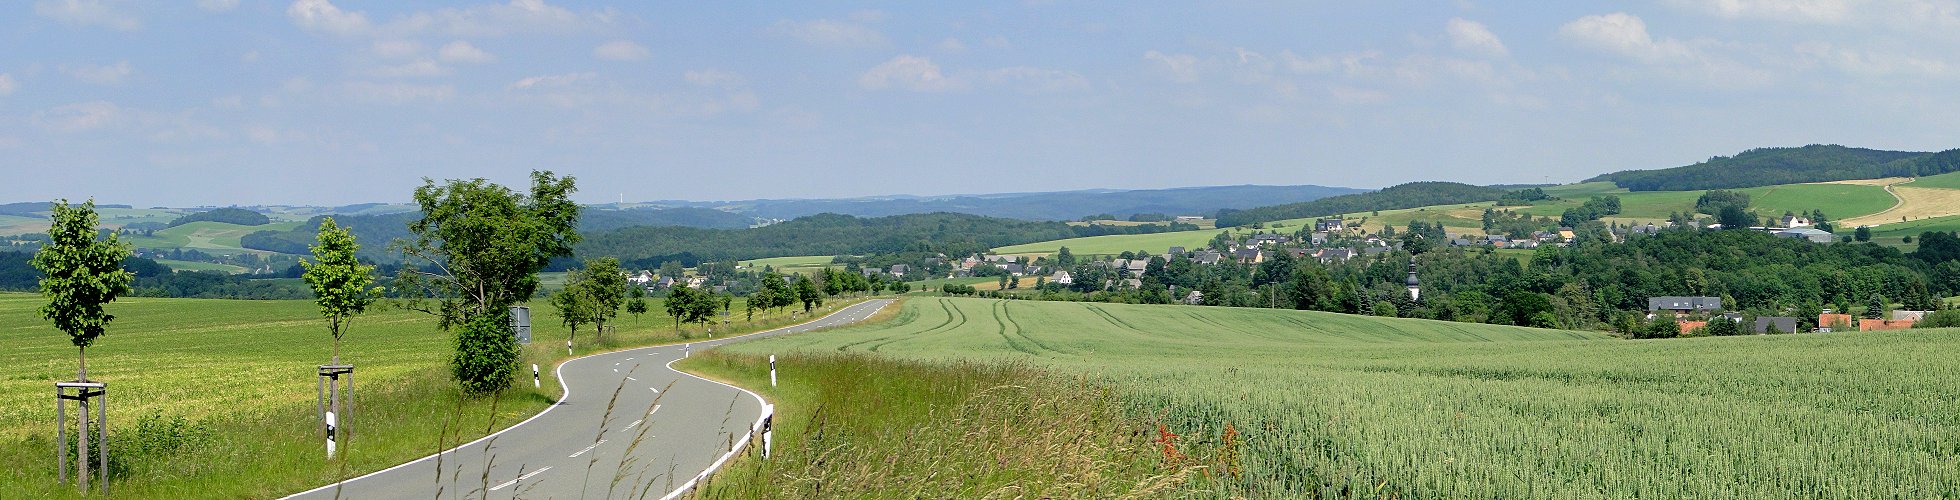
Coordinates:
<point>1772,166</point>
<point>237,216</point>
<point>1411,195</point>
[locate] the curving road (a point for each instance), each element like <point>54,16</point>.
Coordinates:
<point>665,429</point>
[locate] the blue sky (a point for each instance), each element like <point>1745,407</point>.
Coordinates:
<point>218,102</point>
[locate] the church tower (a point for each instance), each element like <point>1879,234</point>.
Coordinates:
<point>1415,288</point>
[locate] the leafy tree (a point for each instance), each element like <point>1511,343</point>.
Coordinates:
<point>1723,327</point>
<point>776,292</point>
<point>1735,217</point>
<point>1863,233</point>
<point>573,307</point>
<point>81,273</point>
<point>341,284</point>
<point>1874,307</point>
<point>638,304</point>
<point>477,250</point>
<point>604,287</point>
<point>806,291</point>
<point>680,300</point>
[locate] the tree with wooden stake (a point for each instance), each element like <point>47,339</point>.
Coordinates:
<point>341,287</point>
<point>604,287</point>
<point>572,303</point>
<point>638,304</point>
<point>82,274</point>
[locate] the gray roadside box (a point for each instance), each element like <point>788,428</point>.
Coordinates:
<point>520,323</point>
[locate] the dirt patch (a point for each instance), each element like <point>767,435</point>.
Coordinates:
<point>1873,182</point>
<point>1914,204</point>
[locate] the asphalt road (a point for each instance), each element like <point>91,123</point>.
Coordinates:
<point>629,427</point>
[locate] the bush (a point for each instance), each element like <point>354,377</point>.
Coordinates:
<point>486,353</point>
<point>1940,319</point>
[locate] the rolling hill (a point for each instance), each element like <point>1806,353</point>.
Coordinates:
<point>1772,166</point>
<point>1066,205</point>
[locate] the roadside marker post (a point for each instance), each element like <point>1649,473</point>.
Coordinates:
<point>772,370</point>
<point>535,383</point>
<point>336,401</point>
<point>687,350</point>
<point>330,434</point>
<point>568,347</point>
<point>768,428</point>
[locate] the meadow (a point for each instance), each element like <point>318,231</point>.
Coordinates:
<point>1114,244</point>
<point>1321,404</point>
<point>805,264</point>
<point>215,398</point>
<point>205,236</point>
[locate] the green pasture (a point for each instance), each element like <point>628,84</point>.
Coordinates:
<point>185,265</point>
<point>1337,405</point>
<point>205,236</point>
<point>1894,234</point>
<point>241,375</point>
<point>804,264</point>
<point>1155,243</point>
<point>1949,180</point>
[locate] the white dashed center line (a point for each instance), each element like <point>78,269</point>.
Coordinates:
<point>588,448</point>
<point>520,478</point>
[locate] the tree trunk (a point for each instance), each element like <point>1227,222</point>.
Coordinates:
<point>336,349</point>
<point>81,374</point>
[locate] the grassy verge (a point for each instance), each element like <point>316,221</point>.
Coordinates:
<point>215,398</point>
<point>853,425</point>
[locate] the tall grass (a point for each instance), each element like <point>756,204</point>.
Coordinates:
<point>857,426</point>
<point>1323,405</point>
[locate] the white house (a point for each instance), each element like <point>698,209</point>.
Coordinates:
<point>1062,278</point>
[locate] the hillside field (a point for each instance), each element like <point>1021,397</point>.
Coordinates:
<point>1155,243</point>
<point>1337,405</point>
<point>242,374</point>
<point>206,236</point>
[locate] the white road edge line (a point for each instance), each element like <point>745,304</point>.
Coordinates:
<point>567,394</point>
<point>520,478</point>
<point>744,441</point>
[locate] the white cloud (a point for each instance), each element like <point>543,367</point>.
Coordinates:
<point>951,44</point>
<point>515,17</point>
<point>87,13</point>
<point>1815,11</point>
<point>908,72</point>
<point>621,50</point>
<point>80,117</point>
<point>1182,67</point>
<point>1473,37</point>
<point>1871,64</point>
<point>321,15</point>
<point>414,69</point>
<point>462,52</point>
<point>1038,80</point>
<point>1626,34</point>
<point>829,32</point>
<point>99,75</point>
<point>217,5</point>
<point>714,78</point>
<point>397,93</point>
<point>7,84</point>
<point>545,81</point>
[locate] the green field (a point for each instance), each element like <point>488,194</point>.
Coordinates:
<point>1113,244</point>
<point>185,265</point>
<point>1335,405</point>
<point>1949,180</point>
<point>806,264</point>
<point>1894,234</point>
<point>205,236</point>
<point>241,374</point>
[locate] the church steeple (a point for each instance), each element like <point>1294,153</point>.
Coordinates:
<point>1415,287</point>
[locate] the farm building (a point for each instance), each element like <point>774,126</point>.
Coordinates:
<point>1776,324</point>
<point>1684,305</point>
<point>1812,234</point>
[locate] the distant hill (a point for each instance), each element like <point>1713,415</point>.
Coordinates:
<point>1411,195</point>
<point>835,234</point>
<point>1057,206</point>
<point>374,232</point>
<point>237,216</point>
<point>1772,166</point>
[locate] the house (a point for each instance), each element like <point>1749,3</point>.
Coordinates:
<point>1334,254</point>
<point>899,269</point>
<point>1190,219</point>
<point>1194,298</point>
<point>1776,324</point>
<point>1525,244</point>
<point>1497,240</point>
<point>1908,315</point>
<point>1268,239</point>
<point>1001,259</point>
<point>1544,236</point>
<point>1684,305</point>
<point>1830,322</point>
<point>1062,278</point>
<point>696,281</point>
<point>1317,239</point>
<point>1133,283</point>
<point>1793,221</point>
<point>1328,224</point>
<point>1873,325</point>
<point>1565,232</point>
<point>1648,229</point>
<point>1460,242</point>
<point>1812,234</point>
<point>1249,256</point>
<point>1014,269</point>
<point>1136,267</point>
<point>1176,251</point>
<point>641,278</point>
<point>665,282</point>
<point>1207,257</point>
<point>871,271</point>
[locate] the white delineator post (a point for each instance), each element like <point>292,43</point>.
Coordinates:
<point>768,428</point>
<point>772,370</point>
<point>568,347</point>
<point>330,434</point>
<point>535,383</point>
<point>687,350</point>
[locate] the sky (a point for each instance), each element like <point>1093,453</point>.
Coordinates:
<point>329,102</point>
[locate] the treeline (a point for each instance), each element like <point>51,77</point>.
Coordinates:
<point>153,279</point>
<point>1411,195</point>
<point>237,216</point>
<point>376,231</point>
<point>1772,166</point>
<point>1594,284</point>
<point>832,234</point>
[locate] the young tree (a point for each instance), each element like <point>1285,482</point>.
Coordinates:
<point>573,308</point>
<point>477,250</point>
<point>638,304</point>
<point>82,273</point>
<point>340,282</point>
<point>604,287</point>
<point>680,300</point>
<point>806,291</point>
<point>775,293</point>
